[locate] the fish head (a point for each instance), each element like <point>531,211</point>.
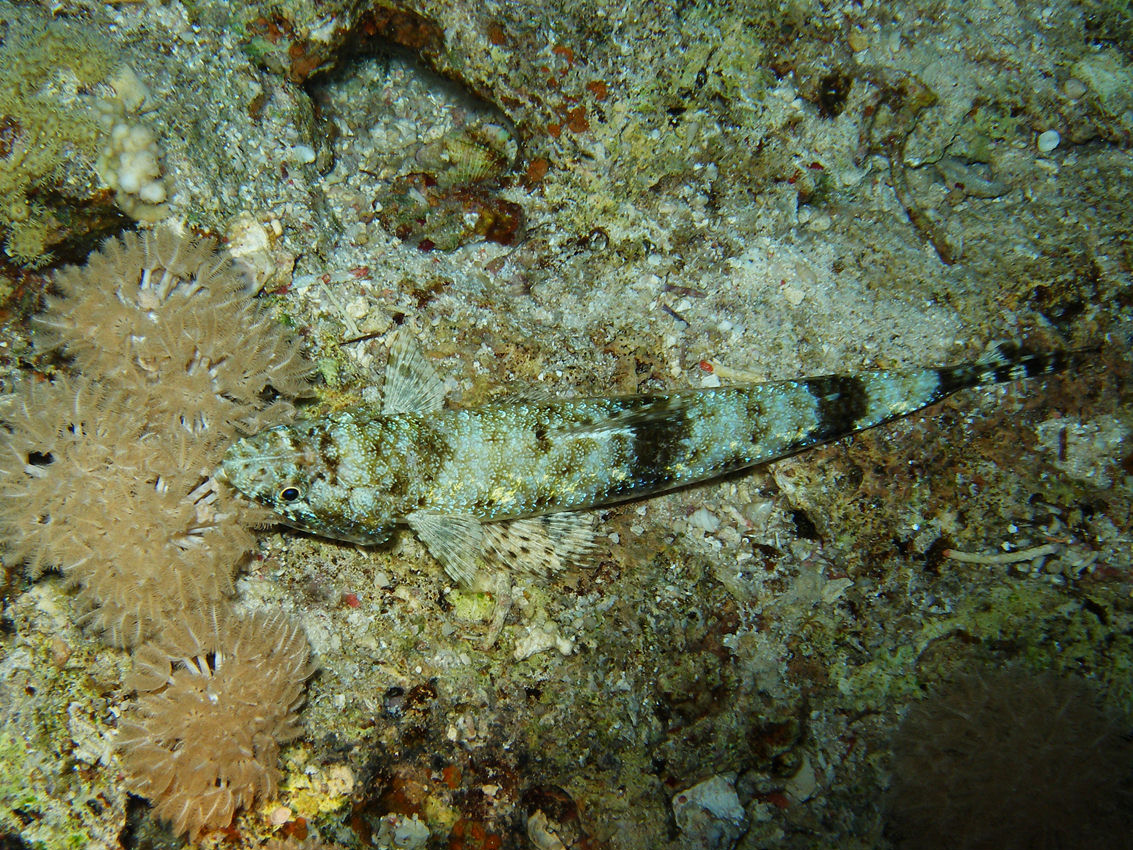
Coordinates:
<point>293,470</point>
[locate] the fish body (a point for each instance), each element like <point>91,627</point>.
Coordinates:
<point>506,480</point>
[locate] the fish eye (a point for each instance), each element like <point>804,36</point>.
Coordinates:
<point>289,494</point>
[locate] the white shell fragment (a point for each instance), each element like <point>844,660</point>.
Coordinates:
<point>705,520</point>
<point>709,812</point>
<point>1048,141</point>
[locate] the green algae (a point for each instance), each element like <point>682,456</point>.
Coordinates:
<point>470,605</point>
<point>1049,633</point>
<point>49,130</point>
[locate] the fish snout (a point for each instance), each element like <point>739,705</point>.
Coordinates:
<point>251,466</point>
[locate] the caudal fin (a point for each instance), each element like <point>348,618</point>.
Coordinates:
<point>1009,361</point>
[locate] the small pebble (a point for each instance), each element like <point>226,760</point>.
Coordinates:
<point>710,381</point>
<point>302,153</point>
<point>1074,88</point>
<point>820,223</point>
<point>794,295</point>
<point>1048,141</point>
<point>704,519</point>
<point>279,815</point>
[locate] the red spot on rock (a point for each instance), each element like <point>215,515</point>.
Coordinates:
<point>296,829</point>
<point>576,120</point>
<point>451,776</point>
<point>598,88</point>
<point>496,35</point>
<point>537,170</point>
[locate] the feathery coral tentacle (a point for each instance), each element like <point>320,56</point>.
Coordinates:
<point>217,694</point>
<point>107,475</point>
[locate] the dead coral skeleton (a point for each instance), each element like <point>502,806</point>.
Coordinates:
<point>1016,557</point>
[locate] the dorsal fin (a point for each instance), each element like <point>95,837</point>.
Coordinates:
<point>412,385</point>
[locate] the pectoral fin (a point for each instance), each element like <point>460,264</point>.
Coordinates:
<point>539,546</point>
<point>456,540</point>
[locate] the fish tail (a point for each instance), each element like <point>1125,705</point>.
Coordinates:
<point>1009,361</point>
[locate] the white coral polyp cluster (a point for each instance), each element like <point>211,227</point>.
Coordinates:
<point>131,166</point>
<point>130,161</point>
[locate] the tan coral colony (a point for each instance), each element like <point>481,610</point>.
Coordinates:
<point>162,357</point>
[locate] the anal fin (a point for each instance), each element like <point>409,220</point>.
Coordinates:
<point>542,545</point>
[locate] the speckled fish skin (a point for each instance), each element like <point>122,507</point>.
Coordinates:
<point>356,475</point>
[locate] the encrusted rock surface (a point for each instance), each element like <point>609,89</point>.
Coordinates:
<point>707,194</point>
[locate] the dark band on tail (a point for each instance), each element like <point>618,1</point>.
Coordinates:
<point>658,442</point>
<point>1008,362</point>
<point>841,401</point>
